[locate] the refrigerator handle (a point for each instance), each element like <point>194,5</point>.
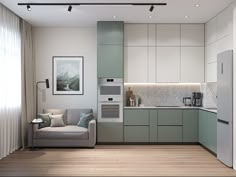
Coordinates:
<point>222,68</point>
<point>223,121</point>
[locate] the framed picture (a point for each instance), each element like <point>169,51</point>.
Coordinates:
<point>68,76</point>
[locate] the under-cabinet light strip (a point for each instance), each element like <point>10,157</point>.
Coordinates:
<point>168,84</point>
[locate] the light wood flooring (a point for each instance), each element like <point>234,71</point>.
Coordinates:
<point>115,160</point>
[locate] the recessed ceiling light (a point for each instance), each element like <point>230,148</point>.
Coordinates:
<point>197,5</point>
<point>114,17</point>
<point>150,16</point>
<point>186,16</point>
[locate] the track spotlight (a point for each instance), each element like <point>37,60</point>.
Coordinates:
<point>69,8</point>
<point>28,7</point>
<point>151,8</point>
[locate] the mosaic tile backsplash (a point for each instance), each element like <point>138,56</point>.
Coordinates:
<point>172,95</point>
<point>162,95</point>
<point>209,91</point>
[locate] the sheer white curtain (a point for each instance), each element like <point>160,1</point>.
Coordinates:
<point>10,81</point>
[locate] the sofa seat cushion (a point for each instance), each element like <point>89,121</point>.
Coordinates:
<point>68,132</point>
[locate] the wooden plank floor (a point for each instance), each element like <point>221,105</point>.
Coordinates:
<point>115,160</point>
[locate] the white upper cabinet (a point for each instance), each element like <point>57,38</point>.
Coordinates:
<point>192,64</point>
<point>224,44</point>
<point>136,64</point>
<point>219,38</point>
<point>211,52</point>
<point>168,35</point>
<point>153,53</point>
<point>151,64</point>
<point>192,35</point>
<point>212,72</point>
<point>225,23</point>
<point>211,33</point>
<point>136,35</point>
<point>151,35</point>
<point>168,64</point>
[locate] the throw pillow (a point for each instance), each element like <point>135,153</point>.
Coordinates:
<point>57,120</point>
<point>46,120</point>
<point>85,119</point>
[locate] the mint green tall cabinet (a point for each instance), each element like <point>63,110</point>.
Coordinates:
<point>110,49</point>
<point>109,132</point>
<point>110,32</point>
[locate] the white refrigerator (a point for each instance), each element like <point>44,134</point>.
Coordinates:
<point>225,107</point>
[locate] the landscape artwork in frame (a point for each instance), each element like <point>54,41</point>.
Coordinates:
<point>68,75</point>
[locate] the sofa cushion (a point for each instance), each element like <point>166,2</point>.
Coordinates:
<point>57,120</point>
<point>85,119</point>
<point>68,132</point>
<point>46,120</point>
<point>73,115</point>
<point>56,112</point>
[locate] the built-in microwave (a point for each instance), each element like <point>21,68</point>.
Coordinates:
<point>110,100</point>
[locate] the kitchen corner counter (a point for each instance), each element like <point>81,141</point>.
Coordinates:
<point>173,107</point>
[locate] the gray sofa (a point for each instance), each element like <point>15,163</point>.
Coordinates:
<point>69,136</point>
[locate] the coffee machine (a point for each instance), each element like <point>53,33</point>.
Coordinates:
<point>197,99</point>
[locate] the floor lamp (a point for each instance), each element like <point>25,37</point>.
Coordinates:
<point>47,86</point>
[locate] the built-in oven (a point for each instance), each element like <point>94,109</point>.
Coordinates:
<point>110,100</point>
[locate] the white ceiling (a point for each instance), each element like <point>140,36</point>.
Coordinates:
<point>174,12</point>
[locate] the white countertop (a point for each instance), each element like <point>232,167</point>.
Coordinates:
<point>172,107</point>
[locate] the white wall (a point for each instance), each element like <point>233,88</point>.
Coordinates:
<point>49,42</point>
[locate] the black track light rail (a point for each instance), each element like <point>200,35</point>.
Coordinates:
<point>92,4</point>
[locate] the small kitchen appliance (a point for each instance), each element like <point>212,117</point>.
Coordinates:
<point>197,99</point>
<point>110,100</point>
<point>187,101</point>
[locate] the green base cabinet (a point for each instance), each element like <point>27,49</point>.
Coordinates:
<point>170,134</point>
<point>109,132</point>
<point>136,129</point>
<point>190,126</point>
<point>136,134</point>
<point>153,126</point>
<point>170,129</point>
<point>136,117</point>
<point>202,124</point>
<point>170,117</point>
<point>208,130</point>
<point>212,132</point>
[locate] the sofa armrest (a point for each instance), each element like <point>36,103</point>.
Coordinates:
<point>92,132</point>
<point>92,126</point>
